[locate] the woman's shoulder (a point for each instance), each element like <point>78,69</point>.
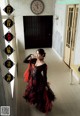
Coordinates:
<point>44,65</point>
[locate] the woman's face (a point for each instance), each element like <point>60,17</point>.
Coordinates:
<point>39,56</point>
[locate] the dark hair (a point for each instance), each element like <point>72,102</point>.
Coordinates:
<point>41,52</point>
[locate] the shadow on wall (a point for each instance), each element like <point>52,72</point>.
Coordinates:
<point>20,52</point>
<point>57,43</point>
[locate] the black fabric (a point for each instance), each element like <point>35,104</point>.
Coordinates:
<point>50,93</point>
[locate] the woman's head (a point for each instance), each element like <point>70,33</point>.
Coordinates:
<point>40,53</point>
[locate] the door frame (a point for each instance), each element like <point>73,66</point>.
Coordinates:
<point>65,41</point>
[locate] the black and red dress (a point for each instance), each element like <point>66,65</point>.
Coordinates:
<point>38,91</point>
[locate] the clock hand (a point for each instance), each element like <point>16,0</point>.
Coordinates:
<point>37,5</point>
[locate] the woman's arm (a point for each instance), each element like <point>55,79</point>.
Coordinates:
<point>30,59</point>
<point>27,59</point>
<point>45,74</point>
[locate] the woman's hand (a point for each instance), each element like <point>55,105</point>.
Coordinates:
<point>33,56</point>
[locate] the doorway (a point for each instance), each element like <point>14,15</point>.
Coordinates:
<point>72,14</point>
<point>38,31</point>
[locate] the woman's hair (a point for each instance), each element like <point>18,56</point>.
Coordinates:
<point>41,52</point>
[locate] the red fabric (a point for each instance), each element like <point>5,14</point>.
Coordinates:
<point>26,74</point>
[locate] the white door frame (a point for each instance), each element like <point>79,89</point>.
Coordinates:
<point>70,40</point>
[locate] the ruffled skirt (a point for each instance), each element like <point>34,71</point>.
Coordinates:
<point>41,98</point>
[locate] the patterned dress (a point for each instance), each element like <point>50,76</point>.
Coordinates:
<point>38,92</point>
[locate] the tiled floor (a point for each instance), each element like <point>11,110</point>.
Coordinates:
<point>68,96</point>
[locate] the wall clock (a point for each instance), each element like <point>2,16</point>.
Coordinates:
<point>37,6</point>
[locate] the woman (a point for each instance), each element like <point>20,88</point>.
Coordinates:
<point>38,91</point>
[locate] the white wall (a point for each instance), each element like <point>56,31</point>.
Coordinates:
<point>2,6</point>
<point>22,8</point>
<point>59,32</point>
<point>59,28</point>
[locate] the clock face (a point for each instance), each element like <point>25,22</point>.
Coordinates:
<point>37,6</point>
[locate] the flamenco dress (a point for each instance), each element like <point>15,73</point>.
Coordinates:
<point>37,91</point>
